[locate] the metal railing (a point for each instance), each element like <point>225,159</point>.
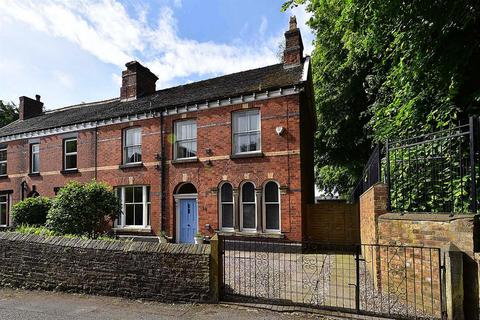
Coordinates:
<point>372,173</point>
<point>435,172</point>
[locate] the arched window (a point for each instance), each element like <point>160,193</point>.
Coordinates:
<point>271,207</point>
<point>226,206</point>
<point>248,207</point>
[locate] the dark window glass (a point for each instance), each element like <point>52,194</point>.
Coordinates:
<point>227,192</point>
<point>129,195</point>
<point>139,214</point>
<point>71,146</point>
<point>138,194</point>
<point>271,192</point>
<point>129,214</point>
<point>227,215</point>
<point>3,169</point>
<point>272,216</point>
<point>248,192</point>
<point>71,162</point>
<point>249,216</point>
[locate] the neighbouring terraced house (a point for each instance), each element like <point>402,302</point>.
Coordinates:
<point>232,154</point>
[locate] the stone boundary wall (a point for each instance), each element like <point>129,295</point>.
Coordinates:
<point>138,270</point>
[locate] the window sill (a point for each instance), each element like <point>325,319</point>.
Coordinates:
<point>131,165</point>
<point>69,171</point>
<point>268,234</point>
<point>247,155</point>
<point>137,230</point>
<point>36,174</point>
<point>185,160</point>
<point>5,176</point>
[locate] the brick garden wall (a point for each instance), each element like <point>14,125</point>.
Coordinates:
<point>333,222</point>
<point>137,270</point>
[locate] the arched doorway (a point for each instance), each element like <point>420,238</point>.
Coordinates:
<point>186,203</point>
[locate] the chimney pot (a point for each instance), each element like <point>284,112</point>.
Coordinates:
<point>37,97</point>
<point>293,23</point>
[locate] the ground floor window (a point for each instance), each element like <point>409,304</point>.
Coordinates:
<point>271,206</point>
<point>248,207</point>
<point>226,206</point>
<point>136,206</point>
<point>4,210</point>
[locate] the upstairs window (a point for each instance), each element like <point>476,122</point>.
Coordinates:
<point>132,149</point>
<point>185,139</point>
<point>3,161</point>
<point>34,158</point>
<point>70,154</point>
<point>246,131</point>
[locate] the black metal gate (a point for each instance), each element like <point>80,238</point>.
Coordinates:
<point>402,282</point>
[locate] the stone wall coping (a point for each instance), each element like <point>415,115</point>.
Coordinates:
<point>126,246</point>
<point>440,217</point>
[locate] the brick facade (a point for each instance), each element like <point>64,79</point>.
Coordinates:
<point>100,155</point>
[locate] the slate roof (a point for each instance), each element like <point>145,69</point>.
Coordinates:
<point>236,84</point>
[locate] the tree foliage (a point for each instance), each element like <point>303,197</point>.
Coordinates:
<point>83,209</point>
<point>386,69</point>
<point>8,113</point>
<point>31,211</point>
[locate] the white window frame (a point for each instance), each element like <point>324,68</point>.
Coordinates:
<point>125,146</point>
<point>241,208</point>
<point>32,158</point>
<point>236,133</point>
<point>120,222</point>
<point>175,150</point>
<point>65,154</point>
<point>7,205</point>
<point>264,208</point>
<point>220,208</point>
<point>4,161</point>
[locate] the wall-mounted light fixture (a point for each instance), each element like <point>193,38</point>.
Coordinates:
<point>280,130</point>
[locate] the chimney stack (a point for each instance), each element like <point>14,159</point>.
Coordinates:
<point>29,107</point>
<point>137,81</point>
<point>293,54</point>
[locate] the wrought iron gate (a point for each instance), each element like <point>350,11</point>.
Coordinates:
<point>394,281</point>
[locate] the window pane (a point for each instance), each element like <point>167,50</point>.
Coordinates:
<point>271,192</point>
<point>133,137</point>
<point>129,214</point>
<point>129,195</point>
<point>3,155</point>
<point>248,192</point>
<point>71,146</point>
<point>240,122</point>
<point>272,217</point>
<point>254,121</point>
<point>148,214</point>
<point>254,142</point>
<point>138,194</point>
<point>227,216</point>
<point>71,162</point>
<point>3,214</point>
<point>35,148</point>
<point>138,214</point>
<point>186,149</point>
<point>134,154</point>
<point>3,169</point>
<point>249,216</point>
<point>227,192</point>
<point>242,143</point>
<point>186,130</point>
<point>148,193</point>
<point>35,162</point>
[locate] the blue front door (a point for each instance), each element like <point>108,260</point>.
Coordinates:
<point>188,220</point>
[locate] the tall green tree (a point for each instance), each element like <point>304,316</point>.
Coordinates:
<point>8,113</point>
<point>386,69</point>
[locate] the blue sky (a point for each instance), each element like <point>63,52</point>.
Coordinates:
<point>74,51</point>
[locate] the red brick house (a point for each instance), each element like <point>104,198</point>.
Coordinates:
<point>231,154</point>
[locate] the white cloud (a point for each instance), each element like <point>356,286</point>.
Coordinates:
<point>64,79</point>
<point>106,30</point>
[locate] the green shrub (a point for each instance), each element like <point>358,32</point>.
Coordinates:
<point>83,210</point>
<point>39,231</point>
<point>31,211</point>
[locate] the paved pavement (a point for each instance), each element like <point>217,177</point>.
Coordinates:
<point>40,305</point>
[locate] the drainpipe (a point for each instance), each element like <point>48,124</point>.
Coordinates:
<point>96,151</point>
<point>163,163</point>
